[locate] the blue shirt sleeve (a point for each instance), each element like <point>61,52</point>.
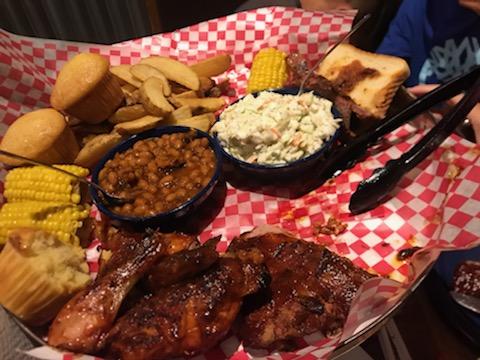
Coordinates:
<point>398,40</point>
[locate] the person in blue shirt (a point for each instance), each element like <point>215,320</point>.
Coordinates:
<point>440,39</point>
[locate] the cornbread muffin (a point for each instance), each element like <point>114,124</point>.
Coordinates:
<point>39,275</point>
<point>86,89</point>
<point>41,135</point>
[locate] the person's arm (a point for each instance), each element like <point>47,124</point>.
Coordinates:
<point>473,116</point>
<point>398,40</point>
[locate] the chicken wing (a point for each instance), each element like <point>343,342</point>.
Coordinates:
<point>183,265</point>
<point>185,318</point>
<point>311,290</point>
<point>174,242</point>
<point>84,321</point>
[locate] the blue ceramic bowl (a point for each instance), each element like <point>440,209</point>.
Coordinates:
<point>164,217</point>
<point>283,170</point>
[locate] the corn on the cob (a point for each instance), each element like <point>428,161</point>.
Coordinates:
<point>42,184</point>
<point>60,219</point>
<point>269,70</point>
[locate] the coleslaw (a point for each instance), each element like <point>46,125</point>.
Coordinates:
<point>276,129</point>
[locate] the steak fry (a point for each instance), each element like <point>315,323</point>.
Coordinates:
<point>185,318</point>
<point>84,321</point>
<point>311,289</point>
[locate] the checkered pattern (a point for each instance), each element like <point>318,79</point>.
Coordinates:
<point>429,209</point>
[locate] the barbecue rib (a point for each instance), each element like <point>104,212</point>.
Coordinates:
<point>83,322</point>
<point>311,289</point>
<point>185,318</point>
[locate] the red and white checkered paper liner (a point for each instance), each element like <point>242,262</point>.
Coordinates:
<point>429,209</point>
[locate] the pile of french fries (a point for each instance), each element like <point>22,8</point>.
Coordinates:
<point>158,91</point>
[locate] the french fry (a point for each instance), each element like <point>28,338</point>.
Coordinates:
<point>123,73</point>
<point>134,99</point>
<point>145,71</point>
<point>203,105</point>
<point>128,113</point>
<point>131,94</point>
<point>95,148</point>
<point>183,112</point>
<point>174,101</point>
<point>152,98</point>
<point>212,119</point>
<point>188,94</point>
<point>87,138</point>
<point>213,66</point>
<point>202,122</point>
<point>174,70</point>
<point>137,126</point>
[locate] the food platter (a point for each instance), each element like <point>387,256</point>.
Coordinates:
<point>343,348</point>
<point>371,240</point>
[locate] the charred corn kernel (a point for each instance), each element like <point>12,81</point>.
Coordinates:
<point>269,70</point>
<point>60,219</point>
<point>38,183</point>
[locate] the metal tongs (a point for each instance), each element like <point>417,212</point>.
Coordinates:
<point>373,191</point>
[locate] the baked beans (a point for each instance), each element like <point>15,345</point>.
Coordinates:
<point>160,173</point>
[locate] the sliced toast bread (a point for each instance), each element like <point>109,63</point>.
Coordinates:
<point>370,80</point>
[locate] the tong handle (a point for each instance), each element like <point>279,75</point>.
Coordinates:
<point>422,104</point>
<point>356,148</point>
<point>443,129</point>
<point>374,190</point>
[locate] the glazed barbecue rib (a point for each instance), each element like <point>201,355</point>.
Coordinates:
<point>183,265</point>
<point>311,289</point>
<point>84,321</point>
<point>185,318</point>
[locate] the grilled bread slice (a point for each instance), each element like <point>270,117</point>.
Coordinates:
<point>370,80</point>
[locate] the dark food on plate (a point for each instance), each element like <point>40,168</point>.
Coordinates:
<point>356,81</point>
<point>173,243</point>
<point>466,279</point>
<point>277,287</point>
<point>369,80</point>
<point>186,318</point>
<point>298,68</point>
<point>332,227</point>
<point>350,75</point>
<point>84,321</point>
<point>311,290</point>
<point>407,253</point>
<point>183,265</point>
<point>162,173</point>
